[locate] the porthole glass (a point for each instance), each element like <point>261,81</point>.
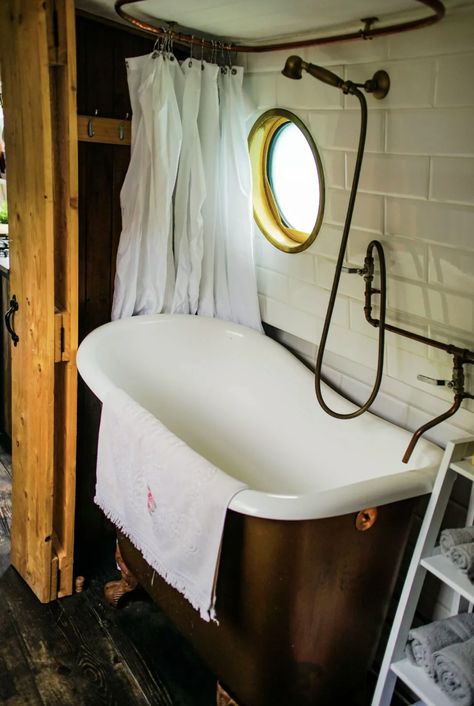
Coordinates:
<point>288,182</point>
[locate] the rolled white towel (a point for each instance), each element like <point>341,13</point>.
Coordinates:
<point>462,555</point>
<point>454,668</point>
<point>424,641</point>
<point>449,538</point>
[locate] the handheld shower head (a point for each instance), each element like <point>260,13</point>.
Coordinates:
<point>378,85</point>
<point>295,66</point>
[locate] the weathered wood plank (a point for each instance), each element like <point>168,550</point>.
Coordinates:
<point>78,651</point>
<point>151,683</point>
<point>166,653</point>
<point>60,654</point>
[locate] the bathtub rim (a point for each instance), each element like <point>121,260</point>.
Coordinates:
<point>345,499</point>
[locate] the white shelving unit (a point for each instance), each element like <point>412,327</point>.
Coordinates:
<point>457,460</point>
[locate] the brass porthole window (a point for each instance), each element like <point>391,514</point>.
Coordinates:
<point>288,181</point>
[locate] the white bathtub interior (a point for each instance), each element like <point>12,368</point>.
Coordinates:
<point>248,405</point>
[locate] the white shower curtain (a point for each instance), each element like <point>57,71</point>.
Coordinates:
<point>186,242</point>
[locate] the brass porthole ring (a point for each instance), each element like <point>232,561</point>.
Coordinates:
<point>366,519</point>
<point>267,214</point>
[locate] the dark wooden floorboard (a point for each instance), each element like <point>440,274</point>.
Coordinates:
<point>80,651</point>
<point>17,682</point>
<point>164,650</point>
<point>5,462</point>
<point>151,683</point>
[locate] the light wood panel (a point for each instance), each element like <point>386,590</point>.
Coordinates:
<point>39,87</point>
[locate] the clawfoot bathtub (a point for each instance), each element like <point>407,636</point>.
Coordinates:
<point>312,547</point>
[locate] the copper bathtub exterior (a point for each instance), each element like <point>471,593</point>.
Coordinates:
<point>301,605</point>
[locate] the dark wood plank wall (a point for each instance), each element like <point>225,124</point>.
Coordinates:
<point>102,86</point>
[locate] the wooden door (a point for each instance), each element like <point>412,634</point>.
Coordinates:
<point>37,55</point>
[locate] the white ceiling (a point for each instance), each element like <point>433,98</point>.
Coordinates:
<point>264,20</point>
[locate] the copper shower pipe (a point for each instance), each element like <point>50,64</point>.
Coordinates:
<point>366,33</point>
<point>461,356</point>
<point>458,399</point>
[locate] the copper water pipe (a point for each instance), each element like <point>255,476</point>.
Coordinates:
<point>461,356</point>
<point>449,348</point>
<point>366,33</point>
<point>457,383</point>
<point>429,425</point>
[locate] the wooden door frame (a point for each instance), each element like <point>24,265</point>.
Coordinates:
<point>38,66</point>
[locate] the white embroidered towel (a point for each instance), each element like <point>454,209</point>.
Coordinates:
<point>170,501</point>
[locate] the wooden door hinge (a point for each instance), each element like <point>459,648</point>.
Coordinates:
<point>61,337</point>
<point>54,578</point>
<point>61,570</point>
<point>56,28</point>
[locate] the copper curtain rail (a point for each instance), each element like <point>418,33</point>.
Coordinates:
<point>366,33</point>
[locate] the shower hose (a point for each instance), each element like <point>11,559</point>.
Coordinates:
<point>365,272</point>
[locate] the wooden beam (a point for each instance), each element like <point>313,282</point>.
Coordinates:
<point>28,134</point>
<point>63,82</point>
<point>41,133</point>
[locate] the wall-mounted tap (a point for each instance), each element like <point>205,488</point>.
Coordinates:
<point>456,384</point>
<point>461,356</point>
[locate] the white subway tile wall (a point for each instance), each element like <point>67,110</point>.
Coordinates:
<point>416,195</point>
<point>452,179</point>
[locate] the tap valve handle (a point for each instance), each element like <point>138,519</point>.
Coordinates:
<point>353,270</point>
<point>434,381</point>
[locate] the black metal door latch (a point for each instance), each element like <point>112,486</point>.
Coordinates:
<point>14,306</point>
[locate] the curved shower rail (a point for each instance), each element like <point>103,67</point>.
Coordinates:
<point>368,32</point>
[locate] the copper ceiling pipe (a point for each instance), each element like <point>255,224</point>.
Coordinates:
<point>366,33</point>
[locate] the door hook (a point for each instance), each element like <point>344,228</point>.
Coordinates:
<point>14,306</point>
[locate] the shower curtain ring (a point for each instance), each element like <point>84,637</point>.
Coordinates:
<point>171,45</point>
<point>160,43</point>
<point>191,52</point>
<point>202,53</point>
<point>223,66</point>
<point>232,70</point>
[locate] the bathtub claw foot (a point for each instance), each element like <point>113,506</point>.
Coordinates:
<point>114,590</point>
<point>223,698</point>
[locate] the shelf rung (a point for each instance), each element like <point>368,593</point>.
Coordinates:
<point>464,468</point>
<point>424,687</point>
<point>444,569</point>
